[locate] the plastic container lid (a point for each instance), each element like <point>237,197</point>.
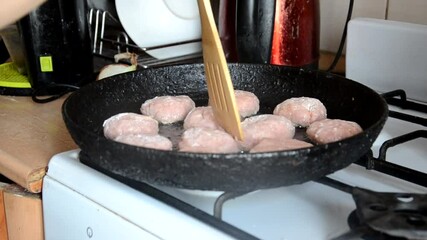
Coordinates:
<point>10,77</point>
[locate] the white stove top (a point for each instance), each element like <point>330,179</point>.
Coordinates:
<point>81,203</point>
<point>313,210</point>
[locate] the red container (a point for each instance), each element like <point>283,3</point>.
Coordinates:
<point>295,40</point>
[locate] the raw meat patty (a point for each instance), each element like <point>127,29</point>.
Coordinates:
<point>129,123</point>
<point>332,130</point>
<point>271,145</point>
<point>263,126</point>
<point>201,117</point>
<point>205,140</point>
<point>168,109</point>
<point>302,111</point>
<point>147,141</point>
<point>247,103</point>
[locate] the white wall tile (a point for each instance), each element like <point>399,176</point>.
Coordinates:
<point>413,11</point>
<point>333,14</point>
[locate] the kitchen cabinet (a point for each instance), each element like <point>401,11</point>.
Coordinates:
<point>31,134</point>
<point>20,213</point>
<point>3,226</point>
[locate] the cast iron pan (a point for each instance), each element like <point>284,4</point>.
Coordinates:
<point>85,110</point>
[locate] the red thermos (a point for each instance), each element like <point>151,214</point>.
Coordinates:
<point>280,32</point>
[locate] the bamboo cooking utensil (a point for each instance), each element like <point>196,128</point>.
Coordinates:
<point>220,87</point>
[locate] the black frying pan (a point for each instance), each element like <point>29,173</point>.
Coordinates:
<point>85,110</point>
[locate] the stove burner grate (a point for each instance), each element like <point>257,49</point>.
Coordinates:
<point>380,164</point>
<point>384,215</point>
<point>395,214</point>
<point>389,215</point>
<point>364,231</point>
<point>402,101</point>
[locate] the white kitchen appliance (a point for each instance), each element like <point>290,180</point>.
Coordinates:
<point>82,203</point>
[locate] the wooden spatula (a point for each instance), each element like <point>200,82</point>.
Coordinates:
<point>220,87</point>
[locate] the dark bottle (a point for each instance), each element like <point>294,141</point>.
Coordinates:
<point>227,28</point>
<point>254,28</point>
<point>57,45</point>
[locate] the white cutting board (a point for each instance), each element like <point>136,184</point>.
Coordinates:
<point>388,55</point>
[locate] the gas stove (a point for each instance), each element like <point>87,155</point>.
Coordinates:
<point>381,196</point>
<point>83,203</point>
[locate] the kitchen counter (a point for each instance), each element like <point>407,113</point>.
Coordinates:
<point>31,133</point>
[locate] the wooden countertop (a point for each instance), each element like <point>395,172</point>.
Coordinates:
<point>31,133</point>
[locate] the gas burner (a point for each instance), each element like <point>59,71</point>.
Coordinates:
<point>383,215</point>
<point>392,216</point>
<point>365,232</point>
<point>396,214</point>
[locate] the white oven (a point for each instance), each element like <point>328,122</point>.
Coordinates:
<point>82,203</point>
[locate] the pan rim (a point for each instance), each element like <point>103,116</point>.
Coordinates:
<point>222,171</point>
